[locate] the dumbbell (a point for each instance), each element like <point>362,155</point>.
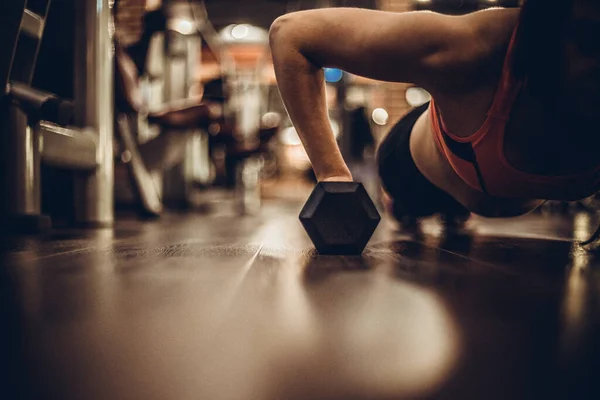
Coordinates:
<point>339,217</point>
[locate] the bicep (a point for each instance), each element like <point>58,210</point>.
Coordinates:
<point>397,47</point>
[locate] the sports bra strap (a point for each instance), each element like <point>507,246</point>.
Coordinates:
<point>508,89</point>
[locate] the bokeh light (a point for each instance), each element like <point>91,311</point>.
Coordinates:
<point>333,75</point>
<point>380,116</point>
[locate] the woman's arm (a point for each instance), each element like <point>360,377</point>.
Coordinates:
<point>418,47</point>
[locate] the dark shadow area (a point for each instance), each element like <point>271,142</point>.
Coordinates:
<point>527,306</point>
<point>318,267</point>
<point>14,378</point>
<point>220,298</point>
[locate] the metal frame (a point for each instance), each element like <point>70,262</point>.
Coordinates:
<point>143,183</point>
<point>94,102</point>
<point>25,141</point>
<point>20,143</point>
<point>10,15</point>
<point>68,148</point>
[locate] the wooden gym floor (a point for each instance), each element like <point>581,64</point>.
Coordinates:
<point>223,307</point>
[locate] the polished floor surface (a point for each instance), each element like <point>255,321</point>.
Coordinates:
<point>227,307</point>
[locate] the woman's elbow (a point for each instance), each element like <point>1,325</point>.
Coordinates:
<point>279,30</point>
<point>290,42</point>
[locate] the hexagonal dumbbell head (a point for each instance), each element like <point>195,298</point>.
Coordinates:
<point>339,217</point>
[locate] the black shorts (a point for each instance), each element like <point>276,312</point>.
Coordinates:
<point>413,195</point>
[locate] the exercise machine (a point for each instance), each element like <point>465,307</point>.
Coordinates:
<point>39,127</point>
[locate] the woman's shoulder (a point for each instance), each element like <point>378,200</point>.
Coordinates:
<point>464,104</point>
<point>478,74</point>
<point>479,61</point>
<point>492,33</point>
<point>495,27</point>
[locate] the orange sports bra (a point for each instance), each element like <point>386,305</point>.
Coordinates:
<point>480,161</point>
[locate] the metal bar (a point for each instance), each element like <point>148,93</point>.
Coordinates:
<point>31,29</point>
<point>23,175</point>
<point>10,20</point>
<point>21,207</point>
<point>68,148</point>
<point>32,24</point>
<point>142,180</point>
<point>94,54</point>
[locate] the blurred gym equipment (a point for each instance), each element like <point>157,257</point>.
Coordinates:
<point>179,117</point>
<point>40,127</point>
<point>178,129</point>
<point>243,55</point>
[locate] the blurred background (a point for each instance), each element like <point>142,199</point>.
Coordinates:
<point>185,93</point>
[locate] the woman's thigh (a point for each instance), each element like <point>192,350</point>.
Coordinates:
<point>411,193</point>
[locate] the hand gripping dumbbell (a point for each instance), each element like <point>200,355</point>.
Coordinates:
<point>339,217</point>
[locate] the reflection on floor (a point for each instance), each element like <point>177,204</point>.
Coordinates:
<point>223,307</point>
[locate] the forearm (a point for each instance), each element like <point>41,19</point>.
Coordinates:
<point>302,87</point>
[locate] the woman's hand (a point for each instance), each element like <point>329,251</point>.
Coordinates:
<point>338,178</point>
